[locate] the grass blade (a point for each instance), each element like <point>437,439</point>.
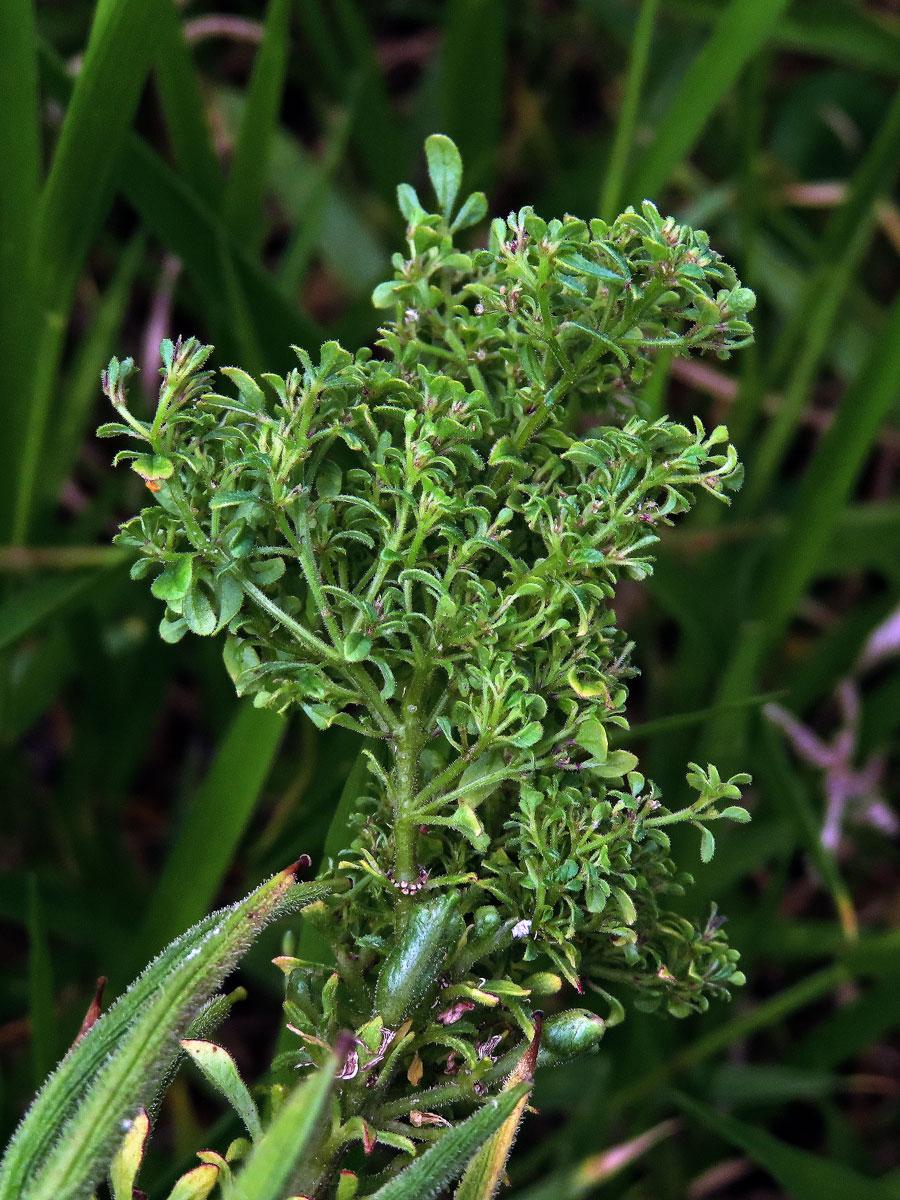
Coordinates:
<point>855,36</point>
<point>25,611</point>
<point>485,1172</point>
<point>172,209</point>
<point>221,810</point>
<point>61,1146</point>
<point>376,137</point>
<point>273,1161</point>
<point>818,506</point>
<point>250,162</point>
<point>809,331</point>
<point>308,227</point>
<point>474,47</point>
<point>623,141</point>
<point>19,189</point>
<point>769,1012</point>
<point>94,352</point>
<point>739,32</point>
<point>826,486</point>
<point>183,105</point>
<point>442,1163</point>
<point>804,1176</point>
<point>74,202</point>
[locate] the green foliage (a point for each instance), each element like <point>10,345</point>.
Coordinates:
<point>245,194</point>
<point>421,547</point>
<point>113,1071</point>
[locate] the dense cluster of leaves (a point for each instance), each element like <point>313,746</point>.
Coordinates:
<point>423,546</point>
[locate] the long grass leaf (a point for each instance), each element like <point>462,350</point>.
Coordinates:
<point>445,1161</point>
<point>26,610</point>
<point>74,202</point>
<point>829,480</point>
<point>68,1133</point>
<point>614,178</point>
<point>781,781</point>
<point>183,104</point>
<point>484,1174</point>
<point>474,47</point>
<point>217,819</point>
<point>770,1012</point>
<point>817,508</point>
<point>172,209</point>
<point>804,1176</point>
<point>19,185</point>
<point>91,356</point>
<point>315,205</point>
<point>741,29</point>
<point>376,135</point>
<point>858,37</point>
<point>249,165</point>
<point>808,333</point>
<point>274,1159</point>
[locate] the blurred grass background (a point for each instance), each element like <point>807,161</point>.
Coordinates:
<point>228,170</point>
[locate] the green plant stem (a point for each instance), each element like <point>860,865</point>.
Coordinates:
<point>409,738</point>
<point>302,545</point>
<point>306,639</point>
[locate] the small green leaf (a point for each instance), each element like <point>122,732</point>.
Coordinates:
<point>172,630</point>
<point>591,736</point>
<point>328,479</point>
<point>584,266</point>
<point>384,295</point>
<point>198,611</point>
<point>225,498</point>
<point>735,813</point>
<point>356,647</point>
<point>348,1186</point>
<point>250,391</point>
<point>408,202</point>
<point>468,824</point>
<point>626,905</point>
<point>229,597</point>
<point>707,844</point>
<point>221,1070</point>
<point>473,210</point>
<point>529,735</point>
<point>175,580</point>
<point>617,765</point>
<point>470,780</point>
<point>153,467</point>
<point>444,169</point>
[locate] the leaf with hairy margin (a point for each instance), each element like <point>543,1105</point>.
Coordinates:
<point>64,1142</point>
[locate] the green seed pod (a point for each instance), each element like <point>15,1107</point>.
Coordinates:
<point>543,983</point>
<point>569,1035</point>
<point>410,972</point>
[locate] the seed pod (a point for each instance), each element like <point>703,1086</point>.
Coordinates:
<point>569,1035</point>
<point>410,972</point>
<point>544,983</point>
